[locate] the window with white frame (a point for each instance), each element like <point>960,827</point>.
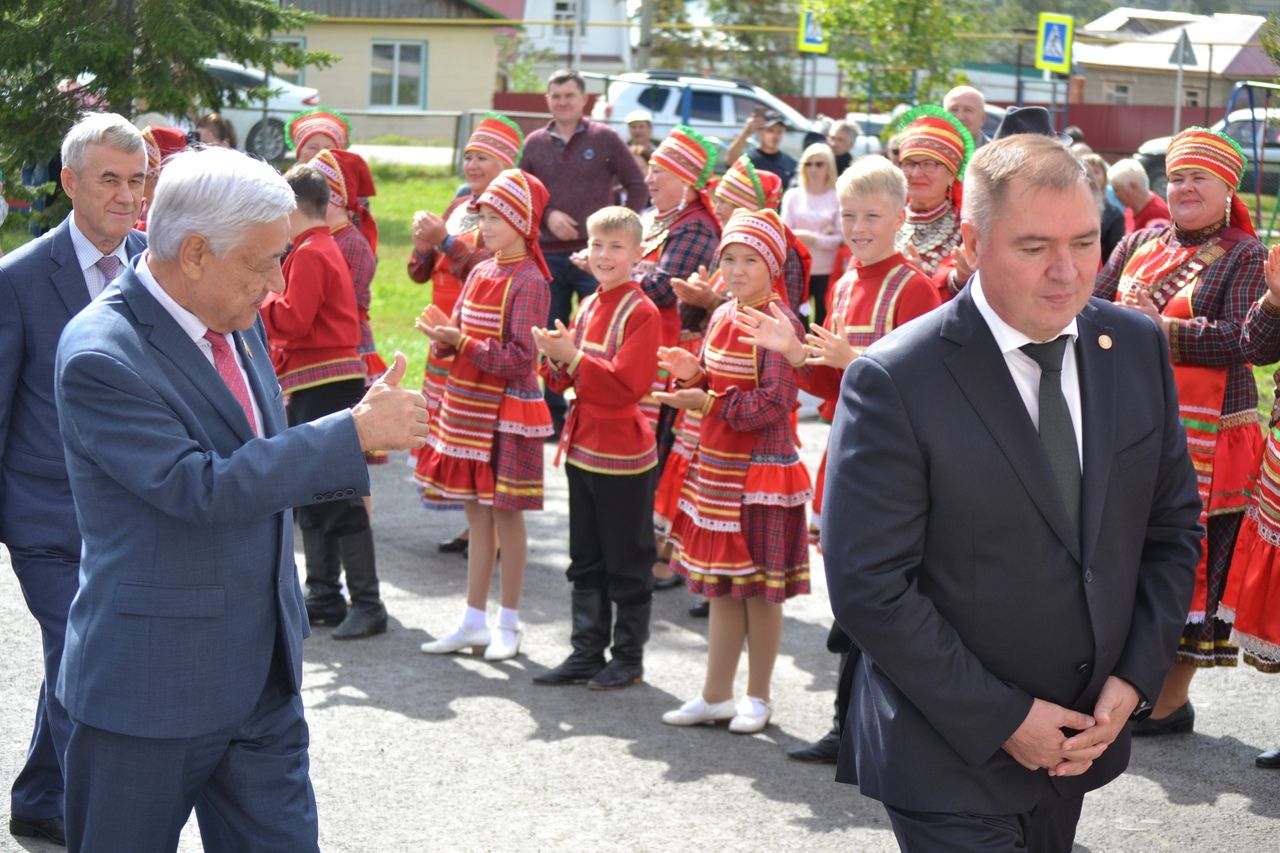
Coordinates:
<point>565,14</point>
<point>1192,98</point>
<point>398,75</point>
<point>297,76</point>
<point>1116,93</point>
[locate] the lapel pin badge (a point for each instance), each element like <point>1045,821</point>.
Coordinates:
<point>1104,341</point>
<point>244,345</point>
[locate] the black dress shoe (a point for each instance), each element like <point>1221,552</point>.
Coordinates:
<point>1180,721</point>
<point>700,610</point>
<point>326,615</point>
<point>361,622</point>
<point>456,545</point>
<point>823,751</point>
<point>1269,760</point>
<point>50,829</point>
<point>668,583</point>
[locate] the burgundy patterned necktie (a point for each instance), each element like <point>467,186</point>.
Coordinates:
<point>110,267</point>
<point>225,361</point>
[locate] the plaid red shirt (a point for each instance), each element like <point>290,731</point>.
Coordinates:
<point>691,245</point>
<point>514,357</point>
<point>363,263</point>
<point>1224,293</point>
<point>462,256</point>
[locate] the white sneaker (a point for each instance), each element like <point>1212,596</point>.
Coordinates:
<point>696,711</point>
<point>753,715</point>
<point>504,645</point>
<point>458,640</point>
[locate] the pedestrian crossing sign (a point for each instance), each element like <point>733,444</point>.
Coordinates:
<point>811,36</point>
<point>1053,42</point>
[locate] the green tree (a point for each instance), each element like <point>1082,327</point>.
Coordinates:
<point>59,57</point>
<point>766,59</point>
<point>895,51</point>
<point>517,63</point>
<point>678,49</point>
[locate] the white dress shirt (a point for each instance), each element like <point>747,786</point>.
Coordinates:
<point>88,255</point>
<point>195,330</point>
<point>1024,369</point>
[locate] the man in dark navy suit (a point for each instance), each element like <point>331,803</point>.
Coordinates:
<point>42,286</point>
<point>1020,527</point>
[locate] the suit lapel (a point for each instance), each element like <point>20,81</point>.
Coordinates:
<point>979,368</point>
<point>68,279</point>
<point>173,344</point>
<point>1098,404</point>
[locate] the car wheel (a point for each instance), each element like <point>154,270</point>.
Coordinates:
<point>266,140</point>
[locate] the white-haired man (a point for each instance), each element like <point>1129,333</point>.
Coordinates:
<point>1132,187</point>
<point>42,286</point>
<point>184,654</point>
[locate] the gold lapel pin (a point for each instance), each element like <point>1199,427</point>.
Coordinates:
<point>1104,341</point>
<point>244,345</point>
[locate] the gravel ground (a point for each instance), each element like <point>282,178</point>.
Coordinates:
<point>418,753</point>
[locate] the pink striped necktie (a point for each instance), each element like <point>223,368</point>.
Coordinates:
<point>225,361</point>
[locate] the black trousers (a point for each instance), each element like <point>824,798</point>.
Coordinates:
<point>325,525</point>
<point>611,543</point>
<point>818,290</point>
<point>1050,827</point>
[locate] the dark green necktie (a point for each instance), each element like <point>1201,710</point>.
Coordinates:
<point>1057,433</point>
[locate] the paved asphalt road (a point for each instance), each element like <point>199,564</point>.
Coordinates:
<point>417,753</point>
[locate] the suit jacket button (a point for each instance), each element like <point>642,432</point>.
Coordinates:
<point>1088,576</point>
<point>350,493</point>
<point>1084,668</point>
<point>317,498</point>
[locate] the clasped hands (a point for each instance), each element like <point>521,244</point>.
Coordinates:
<point>774,331</point>
<point>555,343</point>
<point>428,231</point>
<point>1040,744</point>
<point>683,366</point>
<point>437,326</point>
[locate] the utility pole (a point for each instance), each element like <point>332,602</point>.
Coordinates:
<point>644,50</point>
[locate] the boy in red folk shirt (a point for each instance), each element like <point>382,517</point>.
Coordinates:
<point>313,328</point>
<point>880,292</point>
<point>609,358</point>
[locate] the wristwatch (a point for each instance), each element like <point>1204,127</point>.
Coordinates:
<point>1143,710</point>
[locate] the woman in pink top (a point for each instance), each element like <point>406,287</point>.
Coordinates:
<point>812,212</point>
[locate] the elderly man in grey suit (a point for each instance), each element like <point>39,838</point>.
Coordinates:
<point>183,660</point>
<point>42,286</point>
<point>1020,527</point>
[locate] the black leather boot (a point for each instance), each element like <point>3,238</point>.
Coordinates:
<point>324,602</point>
<point>589,636</point>
<point>368,616</point>
<point>630,633</point>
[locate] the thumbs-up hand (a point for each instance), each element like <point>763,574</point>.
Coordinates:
<point>390,417</point>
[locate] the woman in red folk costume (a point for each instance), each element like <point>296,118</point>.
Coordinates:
<point>934,148</point>
<point>484,449</point>
<point>740,535</point>
<point>310,132</point>
<point>159,142</point>
<point>681,238</point>
<point>447,248</point>
<point>1197,279</point>
<point>1251,601</point>
<point>743,187</point>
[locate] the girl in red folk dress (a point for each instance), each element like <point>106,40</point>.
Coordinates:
<point>447,248</point>
<point>310,132</point>
<point>740,533</point>
<point>484,448</point>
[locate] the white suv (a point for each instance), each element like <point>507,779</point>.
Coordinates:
<point>716,108</point>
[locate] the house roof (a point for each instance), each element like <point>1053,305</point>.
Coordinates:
<point>1145,39</point>
<point>398,9</point>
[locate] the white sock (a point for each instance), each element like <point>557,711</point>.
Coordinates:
<point>473,619</point>
<point>508,619</point>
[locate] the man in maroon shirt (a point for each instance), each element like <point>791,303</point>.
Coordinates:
<point>579,161</point>
<point>1132,187</point>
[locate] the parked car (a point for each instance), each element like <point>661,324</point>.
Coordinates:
<point>1240,125</point>
<point>260,131</point>
<point>715,107</point>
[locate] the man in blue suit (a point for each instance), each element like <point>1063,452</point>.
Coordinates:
<point>183,660</point>
<point>42,286</point>
<point>1020,527</point>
